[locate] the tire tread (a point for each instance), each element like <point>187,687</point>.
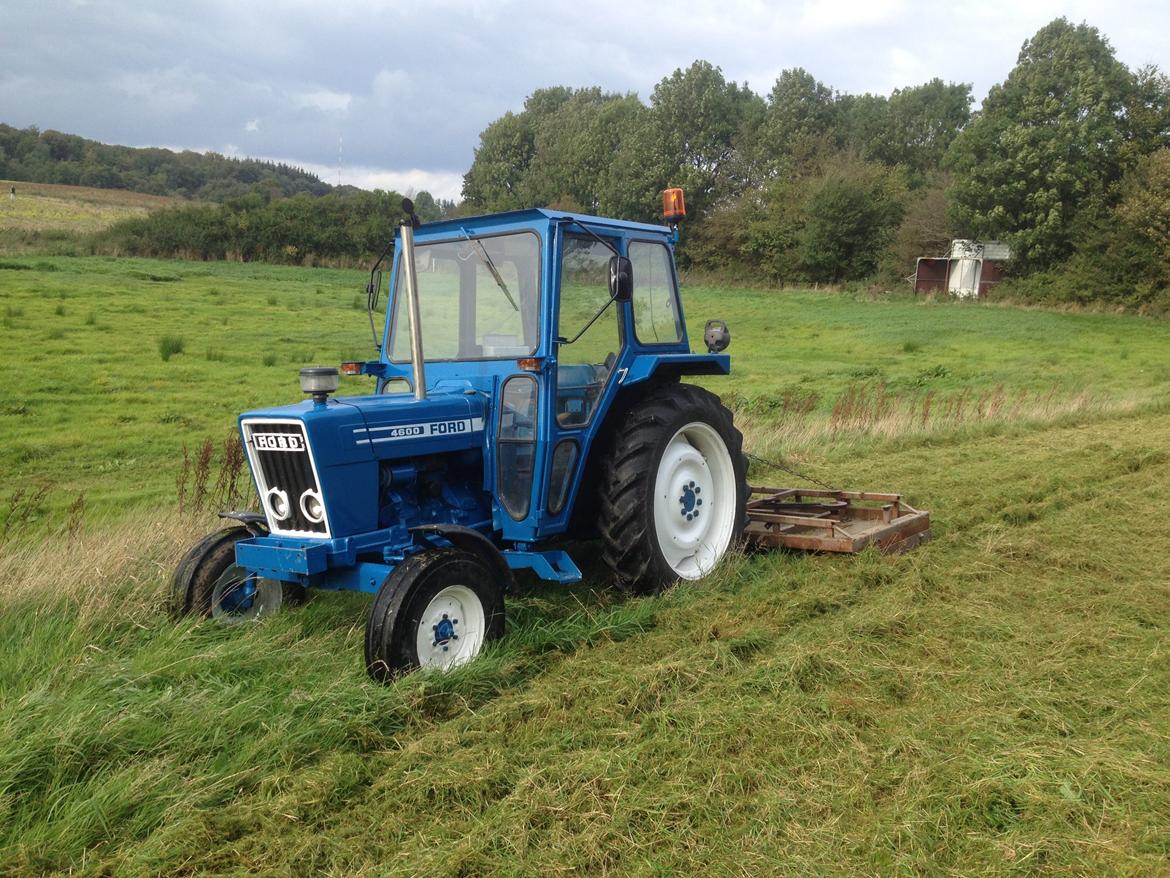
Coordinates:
<point>627,476</point>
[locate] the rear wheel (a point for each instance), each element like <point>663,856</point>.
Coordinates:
<point>436,609</point>
<point>673,491</point>
<point>209,583</point>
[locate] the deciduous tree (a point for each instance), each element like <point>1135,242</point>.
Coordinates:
<point>1047,145</point>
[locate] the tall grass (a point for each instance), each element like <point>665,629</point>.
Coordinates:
<point>868,413</point>
<point>169,345</point>
<point>990,704</point>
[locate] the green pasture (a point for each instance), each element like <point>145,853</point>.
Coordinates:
<point>90,406</point>
<point>994,703</point>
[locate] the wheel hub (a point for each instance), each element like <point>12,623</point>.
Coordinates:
<point>451,628</point>
<point>238,595</point>
<point>690,501</point>
<point>445,631</point>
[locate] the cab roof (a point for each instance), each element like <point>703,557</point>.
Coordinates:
<point>535,214</point>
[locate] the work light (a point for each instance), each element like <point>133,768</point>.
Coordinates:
<point>319,381</point>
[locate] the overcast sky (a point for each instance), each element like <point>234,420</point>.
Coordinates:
<point>407,87</point>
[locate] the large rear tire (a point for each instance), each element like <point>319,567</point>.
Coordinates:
<point>208,583</point>
<point>674,489</point>
<point>437,609</point>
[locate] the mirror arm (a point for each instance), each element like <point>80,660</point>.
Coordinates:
<point>373,288</point>
<point>373,329</point>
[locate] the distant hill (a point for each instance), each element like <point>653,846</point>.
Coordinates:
<point>32,155</point>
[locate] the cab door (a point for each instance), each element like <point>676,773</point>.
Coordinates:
<point>589,350</point>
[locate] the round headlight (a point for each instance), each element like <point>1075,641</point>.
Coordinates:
<point>312,506</point>
<point>278,504</point>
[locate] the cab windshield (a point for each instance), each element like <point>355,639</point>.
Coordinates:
<point>478,299</point>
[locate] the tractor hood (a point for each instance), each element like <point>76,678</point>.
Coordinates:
<point>353,429</point>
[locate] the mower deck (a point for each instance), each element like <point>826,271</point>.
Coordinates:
<point>833,521</point>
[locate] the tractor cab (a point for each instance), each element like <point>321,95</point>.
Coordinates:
<point>528,381</point>
<point>549,316</point>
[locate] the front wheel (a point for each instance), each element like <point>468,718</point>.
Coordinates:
<point>208,583</point>
<point>674,489</point>
<point>436,609</point>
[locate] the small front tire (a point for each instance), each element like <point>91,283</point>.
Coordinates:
<point>208,583</point>
<point>436,609</point>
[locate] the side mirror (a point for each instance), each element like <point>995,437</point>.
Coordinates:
<point>621,279</point>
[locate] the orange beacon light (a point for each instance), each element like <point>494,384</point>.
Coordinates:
<point>674,206</point>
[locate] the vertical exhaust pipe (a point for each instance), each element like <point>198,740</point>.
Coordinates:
<point>416,345</point>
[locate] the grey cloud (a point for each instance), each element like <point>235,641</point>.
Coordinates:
<point>410,86</point>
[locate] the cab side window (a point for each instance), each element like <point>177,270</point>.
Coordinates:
<point>583,367</point>
<point>656,311</point>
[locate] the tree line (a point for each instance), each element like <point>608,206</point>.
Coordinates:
<point>37,156</point>
<point>344,228</point>
<point>1066,160</point>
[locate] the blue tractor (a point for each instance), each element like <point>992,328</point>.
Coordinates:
<point>527,389</point>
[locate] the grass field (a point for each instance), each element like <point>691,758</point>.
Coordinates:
<point>41,207</point>
<point>992,704</point>
<point>94,409</point>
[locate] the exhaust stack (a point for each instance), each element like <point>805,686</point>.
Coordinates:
<point>408,275</point>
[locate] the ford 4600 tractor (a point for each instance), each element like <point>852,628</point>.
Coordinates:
<point>527,388</point>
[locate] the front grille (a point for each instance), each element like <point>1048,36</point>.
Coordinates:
<point>279,452</point>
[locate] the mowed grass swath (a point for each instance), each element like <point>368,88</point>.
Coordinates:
<point>993,703</point>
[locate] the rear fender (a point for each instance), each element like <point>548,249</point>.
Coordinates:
<point>673,366</point>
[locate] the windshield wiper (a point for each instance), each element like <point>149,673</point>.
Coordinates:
<point>486,259</point>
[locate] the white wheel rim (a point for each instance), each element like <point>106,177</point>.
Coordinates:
<point>694,500</point>
<point>450,629</point>
<point>263,601</point>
